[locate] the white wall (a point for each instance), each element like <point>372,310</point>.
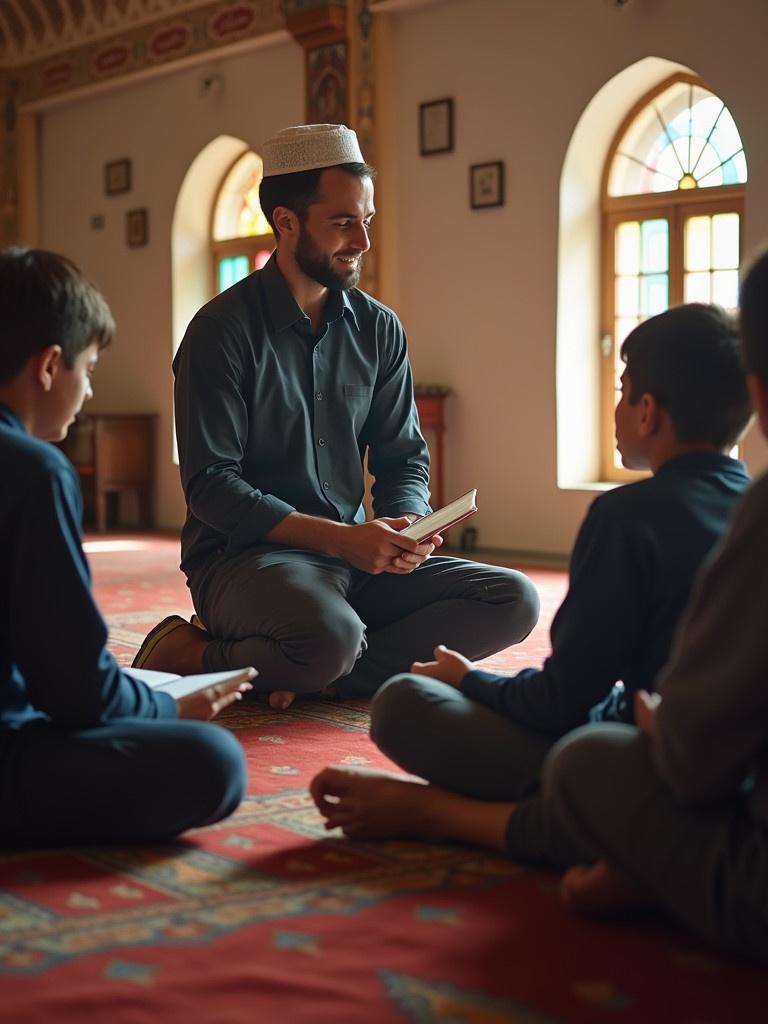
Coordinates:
<point>161,124</point>
<point>477,290</point>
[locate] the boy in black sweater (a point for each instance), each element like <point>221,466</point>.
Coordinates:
<point>478,737</point>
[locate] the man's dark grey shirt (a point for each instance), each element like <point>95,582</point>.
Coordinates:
<point>272,419</point>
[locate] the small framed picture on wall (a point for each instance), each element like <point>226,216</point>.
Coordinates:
<point>117,177</point>
<point>436,127</point>
<point>137,227</point>
<point>486,185</point>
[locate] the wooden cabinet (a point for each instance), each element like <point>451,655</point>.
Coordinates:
<point>114,454</point>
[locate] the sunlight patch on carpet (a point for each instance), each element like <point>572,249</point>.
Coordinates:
<point>94,547</point>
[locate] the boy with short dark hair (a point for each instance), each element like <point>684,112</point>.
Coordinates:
<point>684,404</point>
<point>87,753</point>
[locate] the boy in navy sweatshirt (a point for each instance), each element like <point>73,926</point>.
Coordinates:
<point>480,739</point>
<point>88,754</point>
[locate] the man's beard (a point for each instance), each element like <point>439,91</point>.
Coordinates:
<point>319,267</point>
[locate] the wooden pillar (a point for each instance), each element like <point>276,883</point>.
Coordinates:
<point>342,40</point>
<point>19,200</point>
<point>321,29</point>
<point>9,193</point>
<point>362,92</point>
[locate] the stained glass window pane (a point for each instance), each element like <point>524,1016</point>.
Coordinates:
<point>628,248</point>
<point>238,213</point>
<point>725,288</point>
<point>725,241</point>
<point>740,166</point>
<point>231,270</point>
<point>709,163</point>
<point>655,246</point>
<point>697,287</point>
<point>654,294</point>
<point>261,258</point>
<point>725,137</point>
<point>697,238</point>
<point>668,164</point>
<point>628,296</point>
<point>684,138</point>
<point>641,284</point>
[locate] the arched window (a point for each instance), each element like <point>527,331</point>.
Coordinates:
<point>673,207</point>
<point>242,238</point>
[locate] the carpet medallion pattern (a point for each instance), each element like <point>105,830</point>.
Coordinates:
<point>267,918</point>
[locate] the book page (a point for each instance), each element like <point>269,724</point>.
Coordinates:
<point>149,675</point>
<point>443,518</point>
<point>182,686</point>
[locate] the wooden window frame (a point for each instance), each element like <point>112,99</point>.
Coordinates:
<point>675,207</point>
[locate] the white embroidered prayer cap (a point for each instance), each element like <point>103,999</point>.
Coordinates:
<point>307,147</point>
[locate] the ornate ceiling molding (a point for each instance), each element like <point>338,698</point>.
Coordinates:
<point>162,31</point>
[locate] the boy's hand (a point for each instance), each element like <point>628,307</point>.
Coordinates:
<point>449,666</point>
<point>207,703</point>
<point>645,711</point>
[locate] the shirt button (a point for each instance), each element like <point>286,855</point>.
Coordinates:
<point>321,442</point>
<point>319,396</point>
<point>326,485</point>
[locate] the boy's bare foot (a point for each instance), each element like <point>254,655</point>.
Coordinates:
<point>173,645</point>
<point>600,890</point>
<point>373,804</point>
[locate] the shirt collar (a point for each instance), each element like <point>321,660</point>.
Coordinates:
<point>7,415</point>
<point>285,311</point>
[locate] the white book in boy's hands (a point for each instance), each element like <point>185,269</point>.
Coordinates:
<point>182,686</point>
<point>445,517</point>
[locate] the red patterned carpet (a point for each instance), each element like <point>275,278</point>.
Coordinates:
<point>267,919</point>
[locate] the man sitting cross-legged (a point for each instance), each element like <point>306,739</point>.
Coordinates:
<point>283,383</point>
<point>480,739</point>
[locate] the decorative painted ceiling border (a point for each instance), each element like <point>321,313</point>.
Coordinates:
<point>182,35</point>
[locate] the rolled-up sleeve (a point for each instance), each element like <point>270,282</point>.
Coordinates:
<point>212,426</point>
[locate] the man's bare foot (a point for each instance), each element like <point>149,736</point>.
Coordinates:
<point>366,803</point>
<point>600,890</point>
<point>174,645</point>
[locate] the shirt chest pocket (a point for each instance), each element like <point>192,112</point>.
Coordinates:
<point>357,402</point>
<point>357,391</point>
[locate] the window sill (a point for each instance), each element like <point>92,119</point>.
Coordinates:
<point>591,485</point>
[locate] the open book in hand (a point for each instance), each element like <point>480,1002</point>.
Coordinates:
<point>182,686</point>
<point>443,518</point>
